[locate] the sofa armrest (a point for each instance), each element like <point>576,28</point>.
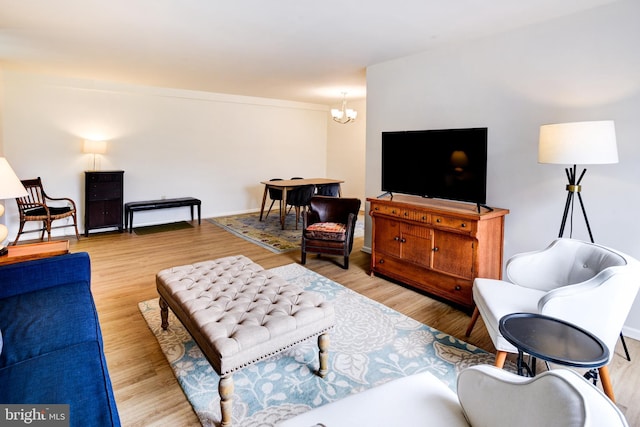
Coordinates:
<point>43,273</point>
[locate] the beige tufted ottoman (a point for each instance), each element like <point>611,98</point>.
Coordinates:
<point>238,313</point>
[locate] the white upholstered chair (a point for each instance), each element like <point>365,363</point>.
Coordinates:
<point>486,396</point>
<point>583,283</point>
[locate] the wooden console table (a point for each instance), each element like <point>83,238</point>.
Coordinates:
<point>437,246</point>
<point>33,251</point>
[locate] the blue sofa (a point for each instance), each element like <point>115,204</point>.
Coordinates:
<point>52,351</point>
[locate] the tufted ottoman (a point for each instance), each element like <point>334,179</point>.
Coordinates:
<point>238,313</point>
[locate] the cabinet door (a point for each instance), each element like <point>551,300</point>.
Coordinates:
<point>387,236</point>
<point>453,254</point>
<point>416,244</point>
<point>95,215</point>
<point>104,213</point>
<point>113,213</point>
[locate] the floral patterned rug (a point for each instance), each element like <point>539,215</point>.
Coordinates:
<point>371,344</point>
<point>268,233</point>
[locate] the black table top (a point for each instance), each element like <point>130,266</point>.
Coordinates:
<point>554,340</point>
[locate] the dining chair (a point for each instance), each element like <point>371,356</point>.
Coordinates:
<point>275,194</point>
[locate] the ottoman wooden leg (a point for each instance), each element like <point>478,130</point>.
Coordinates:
<point>323,344</point>
<point>164,314</point>
<point>225,388</point>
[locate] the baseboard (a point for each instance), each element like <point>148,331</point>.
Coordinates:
<point>633,333</point>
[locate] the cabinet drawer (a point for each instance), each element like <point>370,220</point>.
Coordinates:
<point>390,210</point>
<point>415,215</point>
<point>451,288</point>
<point>98,177</point>
<point>453,223</point>
<point>399,212</point>
<point>104,191</point>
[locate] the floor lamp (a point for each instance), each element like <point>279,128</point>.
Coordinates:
<point>586,143</point>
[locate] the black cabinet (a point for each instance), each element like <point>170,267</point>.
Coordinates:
<point>103,200</point>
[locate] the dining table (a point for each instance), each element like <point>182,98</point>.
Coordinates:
<point>290,184</point>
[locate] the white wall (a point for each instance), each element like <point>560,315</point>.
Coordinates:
<point>170,143</point>
<point>582,67</point>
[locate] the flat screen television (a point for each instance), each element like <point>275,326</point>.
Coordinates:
<point>441,163</point>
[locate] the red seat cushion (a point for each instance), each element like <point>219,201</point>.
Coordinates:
<point>326,231</point>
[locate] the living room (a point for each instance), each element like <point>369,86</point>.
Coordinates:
<point>218,147</point>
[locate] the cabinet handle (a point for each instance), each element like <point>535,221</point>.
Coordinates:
<point>463,225</point>
<point>381,261</point>
<point>438,220</point>
<point>436,249</point>
<point>458,287</point>
<point>396,238</point>
<point>406,214</point>
<point>403,240</point>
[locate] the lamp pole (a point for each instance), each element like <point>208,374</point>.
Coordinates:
<point>574,188</point>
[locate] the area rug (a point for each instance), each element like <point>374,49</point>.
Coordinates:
<point>371,344</point>
<point>161,228</point>
<point>268,233</point>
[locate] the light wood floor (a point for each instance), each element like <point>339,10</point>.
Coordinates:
<point>147,393</point>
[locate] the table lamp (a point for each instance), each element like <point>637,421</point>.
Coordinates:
<point>94,147</point>
<point>10,187</point>
<point>592,142</point>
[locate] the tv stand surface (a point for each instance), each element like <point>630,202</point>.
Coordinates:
<point>438,246</point>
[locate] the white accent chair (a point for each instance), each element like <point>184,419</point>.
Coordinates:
<point>487,396</point>
<point>583,283</point>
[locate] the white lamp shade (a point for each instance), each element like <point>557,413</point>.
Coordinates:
<point>336,114</point>
<point>94,147</point>
<point>10,185</point>
<point>578,143</point>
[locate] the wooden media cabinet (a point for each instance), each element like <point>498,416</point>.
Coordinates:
<point>437,246</point>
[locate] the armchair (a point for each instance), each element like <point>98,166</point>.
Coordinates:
<point>34,207</point>
<point>486,396</point>
<point>582,283</point>
<point>328,227</point>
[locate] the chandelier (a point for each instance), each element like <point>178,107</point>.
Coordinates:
<point>344,115</point>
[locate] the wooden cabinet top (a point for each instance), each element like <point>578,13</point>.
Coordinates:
<point>445,207</point>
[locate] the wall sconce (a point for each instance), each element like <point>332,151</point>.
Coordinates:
<point>10,187</point>
<point>94,147</point>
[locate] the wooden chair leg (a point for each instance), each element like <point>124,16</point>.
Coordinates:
<point>606,383</point>
<point>75,225</point>
<point>15,242</point>
<point>501,357</point>
<point>472,322</point>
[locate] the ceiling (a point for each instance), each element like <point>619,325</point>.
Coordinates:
<point>302,50</point>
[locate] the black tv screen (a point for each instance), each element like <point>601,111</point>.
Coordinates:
<point>443,163</point>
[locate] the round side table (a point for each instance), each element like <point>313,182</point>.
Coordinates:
<point>556,341</point>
